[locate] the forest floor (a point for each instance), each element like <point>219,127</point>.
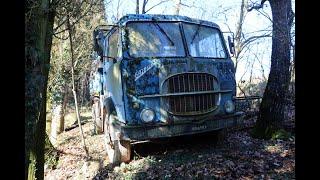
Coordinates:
<point>188,157</point>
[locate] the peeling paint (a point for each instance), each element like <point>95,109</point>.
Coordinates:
<point>130,78</point>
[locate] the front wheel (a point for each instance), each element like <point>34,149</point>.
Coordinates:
<point>117,150</point>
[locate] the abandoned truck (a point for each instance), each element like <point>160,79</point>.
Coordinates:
<point>161,76</point>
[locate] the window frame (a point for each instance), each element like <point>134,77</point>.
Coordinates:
<point>220,36</point>
<point>181,33</point>
<point>184,40</point>
<point>113,32</point>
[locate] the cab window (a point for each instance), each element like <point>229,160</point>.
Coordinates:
<point>113,42</point>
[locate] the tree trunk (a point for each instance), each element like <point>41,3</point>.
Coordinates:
<point>74,91</point>
<point>144,6</point>
<point>58,113</point>
<point>64,106</point>
<point>56,117</point>
<point>137,7</point>
<point>238,34</point>
<point>39,27</point>
<point>273,104</point>
<point>178,6</point>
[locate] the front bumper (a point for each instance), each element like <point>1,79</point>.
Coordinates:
<point>140,133</point>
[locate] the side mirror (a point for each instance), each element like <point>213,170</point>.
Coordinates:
<point>231,45</point>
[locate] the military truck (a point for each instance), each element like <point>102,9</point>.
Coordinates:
<point>161,76</point>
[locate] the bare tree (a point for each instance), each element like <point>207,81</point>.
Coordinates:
<point>273,103</point>
<point>241,41</point>
<point>238,35</point>
<point>118,5</point>
<point>178,6</point>
<point>144,6</point>
<point>137,7</point>
<point>74,90</point>
<point>159,3</point>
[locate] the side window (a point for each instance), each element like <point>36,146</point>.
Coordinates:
<point>113,44</point>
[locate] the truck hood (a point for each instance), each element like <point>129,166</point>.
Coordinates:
<point>145,76</point>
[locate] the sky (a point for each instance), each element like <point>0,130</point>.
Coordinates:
<point>223,12</point>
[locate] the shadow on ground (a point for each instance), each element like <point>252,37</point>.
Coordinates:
<point>199,157</point>
<point>163,146</point>
<point>165,150</point>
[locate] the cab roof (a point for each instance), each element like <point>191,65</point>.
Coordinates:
<point>158,17</point>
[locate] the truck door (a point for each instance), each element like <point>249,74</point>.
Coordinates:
<point>110,54</point>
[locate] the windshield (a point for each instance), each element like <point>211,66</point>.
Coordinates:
<point>155,39</point>
<point>204,41</point>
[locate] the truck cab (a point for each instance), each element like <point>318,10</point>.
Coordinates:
<point>162,76</point>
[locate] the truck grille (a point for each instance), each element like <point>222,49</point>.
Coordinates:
<point>190,104</point>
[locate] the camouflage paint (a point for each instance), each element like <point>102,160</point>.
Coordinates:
<point>135,77</point>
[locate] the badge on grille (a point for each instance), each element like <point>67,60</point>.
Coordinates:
<point>142,71</point>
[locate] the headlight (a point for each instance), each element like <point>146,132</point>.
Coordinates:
<point>147,115</point>
<point>229,106</point>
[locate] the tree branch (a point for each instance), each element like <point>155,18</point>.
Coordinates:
<point>253,38</point>
<point>256,6</point>
<point>77,20</point>
<point>163,1</point>
<point>265,15</point>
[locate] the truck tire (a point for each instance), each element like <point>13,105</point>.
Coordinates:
<point>117,150</point>
<point>96,117</point>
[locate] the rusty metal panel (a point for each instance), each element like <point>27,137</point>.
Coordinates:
<point>151,132</point>
<point>177,89</point>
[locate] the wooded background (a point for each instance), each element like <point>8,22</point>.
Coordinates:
<point>52,25</point>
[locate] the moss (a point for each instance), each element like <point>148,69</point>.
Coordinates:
<point>51,155</point>
<point>269,132</point>
<point>281,134</point>
<point>262,132</point>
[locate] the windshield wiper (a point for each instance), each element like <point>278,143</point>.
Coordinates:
<point>196,33</point>
<point>163,32</point>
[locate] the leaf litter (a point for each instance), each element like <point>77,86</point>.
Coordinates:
<point>240,157</point>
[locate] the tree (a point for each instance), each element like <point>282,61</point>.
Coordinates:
<point>73,88</point>
<point>238,35</point>
<point>137,7</point>
<point>242,40</point>
<point>38,39</point>
<point>39,31</point>
<point>84,17</point>
<point>144,4</point>
<point>271,116</point>
<point>178,7</point>
<point>58,88</point>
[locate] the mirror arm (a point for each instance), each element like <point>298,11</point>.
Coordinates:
<point>114,60</point>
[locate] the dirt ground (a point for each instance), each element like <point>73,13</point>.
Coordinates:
<point>189,157</point>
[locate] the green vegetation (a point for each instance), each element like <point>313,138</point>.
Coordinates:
<point>51,155</point>
<point>281,134</point>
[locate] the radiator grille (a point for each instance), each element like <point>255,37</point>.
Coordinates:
<point>194,103</point>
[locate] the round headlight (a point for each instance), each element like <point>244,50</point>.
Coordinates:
<point>229,106</point>
<point>147,115</point>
